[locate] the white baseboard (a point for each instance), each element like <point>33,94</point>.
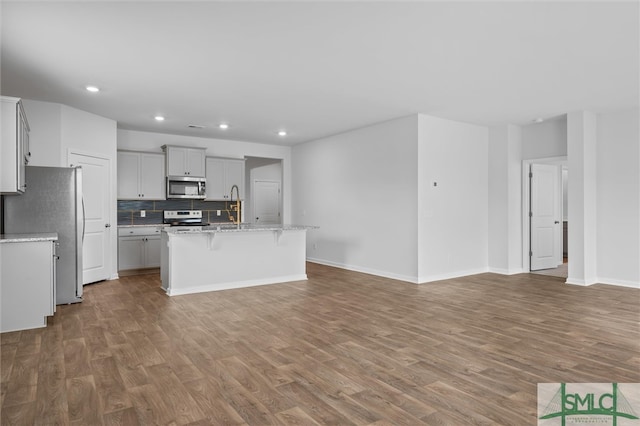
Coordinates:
<point>236,284</point>
<point>399,277</point>
<point>451,275</point>
<point>584,283</point>
<point>621,283</point>
<point>385,274</point>
<point>502,271</point>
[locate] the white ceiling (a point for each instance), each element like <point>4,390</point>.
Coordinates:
<point>320,68</point>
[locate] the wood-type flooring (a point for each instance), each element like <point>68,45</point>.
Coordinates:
<point>342,348</point>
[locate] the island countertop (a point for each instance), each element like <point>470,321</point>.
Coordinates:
<point>245,227</point>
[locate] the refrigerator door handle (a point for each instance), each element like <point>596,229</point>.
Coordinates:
<point>83,221</point>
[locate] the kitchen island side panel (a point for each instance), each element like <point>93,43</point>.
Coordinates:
<point>200,262</point>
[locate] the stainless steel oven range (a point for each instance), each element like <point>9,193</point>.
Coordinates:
<point>183,217</point>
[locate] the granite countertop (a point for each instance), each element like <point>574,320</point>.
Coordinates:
<point>27,238</point>
<point>155,225</point>
<point>247,227</point>
<point>163,225</point>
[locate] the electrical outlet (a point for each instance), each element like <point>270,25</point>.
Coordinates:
<point>315,246</point>
<point>143,213</point>
<point>218,212</point>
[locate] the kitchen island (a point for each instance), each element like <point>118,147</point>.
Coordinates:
<point>210,258</point>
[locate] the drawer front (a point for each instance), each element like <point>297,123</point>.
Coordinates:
<point>139,230</point>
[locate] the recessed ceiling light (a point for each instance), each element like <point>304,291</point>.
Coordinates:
<point>223,126</point>
<point>538,120</point>
<point>93,89</point>
<point>282,133</point>
<point>159,118</point>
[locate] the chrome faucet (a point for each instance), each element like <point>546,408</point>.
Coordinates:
<point>236,221</point>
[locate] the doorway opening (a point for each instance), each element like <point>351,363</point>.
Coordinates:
<point>264,190</point>
<point>545,216</point>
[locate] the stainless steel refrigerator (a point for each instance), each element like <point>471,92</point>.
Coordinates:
<point>52,202</point>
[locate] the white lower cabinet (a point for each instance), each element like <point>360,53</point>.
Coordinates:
<point>139,248</point>
<point>27,284</point>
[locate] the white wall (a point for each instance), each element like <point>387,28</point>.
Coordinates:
<point>57,130</point>
<point>545,140</point>
<point>505,199</point>
<point>45,122</point>
<point>453,216</point>
<point>618,198</point>
<point>152,142</point>
<point>360,187</point>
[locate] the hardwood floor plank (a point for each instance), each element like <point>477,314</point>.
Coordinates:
<point>84,404</point>
<point>295,417</point>
<point>126,417</point>
<point>149,405</point>
<point>253,382</point>
<point>110,385</point>
<point>18,415</point>
<point>174,394</point>
<point>341,348</point>
<point>76,358</point>
<point>319,410</point>
<point>208,398</point>
<point>51,396</point>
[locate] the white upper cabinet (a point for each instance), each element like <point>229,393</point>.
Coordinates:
<point>183,161</point>
<point>14,146</point>
<point>222,174</point>
<point>141,176</point>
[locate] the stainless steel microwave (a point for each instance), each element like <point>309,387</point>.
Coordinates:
<point>186,187</point>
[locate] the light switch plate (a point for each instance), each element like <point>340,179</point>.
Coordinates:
<point>143,213</point>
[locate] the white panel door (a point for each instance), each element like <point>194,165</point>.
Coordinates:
<point>96,247</point>
<point>545,216</point>
<point>266,202</point>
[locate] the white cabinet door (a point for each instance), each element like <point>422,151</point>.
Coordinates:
<point>195,162</point>
<point>27,281</point>
<point>176,161</point>
<point>140,176</point>
<point>14,146</point>
<point>152,251</point>
<point>234,175</point>
<point>128,172</point>
<point>185,161</point>
<point>215,179</point>
<point>130,253</point>
<point>152,178</point>
<point>222,174</point>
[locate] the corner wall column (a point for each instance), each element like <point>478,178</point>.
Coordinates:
<point>581,149</point>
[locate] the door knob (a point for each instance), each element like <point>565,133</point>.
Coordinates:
<point>556,222</point>
<point>107,225</point>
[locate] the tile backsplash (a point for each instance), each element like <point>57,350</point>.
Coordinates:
<point>129,210</point>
